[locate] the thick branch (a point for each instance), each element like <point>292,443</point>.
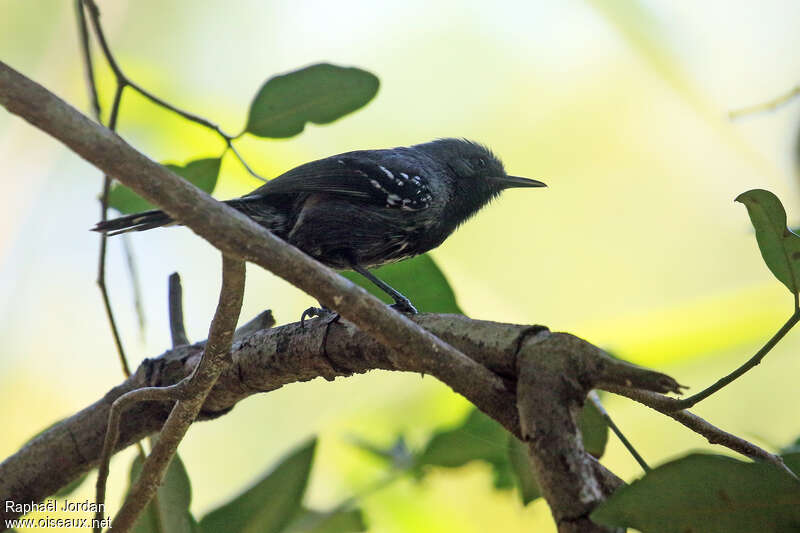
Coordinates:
<point>265,361</point>
<point>555,375</point>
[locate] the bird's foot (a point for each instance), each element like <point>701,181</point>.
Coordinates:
<point>323,313</point>
<point>404,306</point>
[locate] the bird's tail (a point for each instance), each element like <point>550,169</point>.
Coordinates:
<point>136,222</point>
<point>156,219</point>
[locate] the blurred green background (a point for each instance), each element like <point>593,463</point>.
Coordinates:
<point>621,107</point>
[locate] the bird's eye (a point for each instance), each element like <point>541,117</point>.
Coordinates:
<point>480,163</point>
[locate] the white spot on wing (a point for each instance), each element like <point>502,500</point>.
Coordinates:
<point>386,171</point>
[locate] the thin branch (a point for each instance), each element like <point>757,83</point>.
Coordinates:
<point>86,53</point>
<point>176,325</point>
<point>95,104</point>
<point>752,362</point>
<point>97,112</point>
<point>595,399</point>
<point>101,260</point>
<point>714,435</point>
<point>216,357</point>
<point>137,288</point>
<point>243,162</point>
<point>156,394</point>
<point>769,105</point>
<point>94,12</point>
<point>185,114</point>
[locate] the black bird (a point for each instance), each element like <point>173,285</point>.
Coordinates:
<point>363,209</point>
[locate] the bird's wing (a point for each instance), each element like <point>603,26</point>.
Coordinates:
<point>387,182</point>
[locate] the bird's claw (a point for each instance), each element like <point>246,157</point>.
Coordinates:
<point>319,312</point>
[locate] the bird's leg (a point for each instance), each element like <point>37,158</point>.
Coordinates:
<point>322,312</point>
<point>401,303</point>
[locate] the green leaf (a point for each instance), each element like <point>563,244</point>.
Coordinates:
<point>779,247</point>
<point>309,521</point>
<point>708,493</point>
<point>526,482</point>
<point>169,511</point>
<point>319,94</point>
<point>271,503</point>
<point>419,279</point>
<point>478,438</point>
<point>203,173</point>
<point>594,430</point>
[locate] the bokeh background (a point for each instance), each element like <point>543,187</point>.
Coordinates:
<point>621,107</point>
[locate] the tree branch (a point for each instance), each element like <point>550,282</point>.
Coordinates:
<point>216,357</point>
<point>671,408</point>
<point>175,304</point>
<point>269,359</point>
<point>555,376</point>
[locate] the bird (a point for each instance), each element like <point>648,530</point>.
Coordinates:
<point>367,208</point>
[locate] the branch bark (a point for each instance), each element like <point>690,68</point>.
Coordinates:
<point>555,376</point>
<point>269,359</point>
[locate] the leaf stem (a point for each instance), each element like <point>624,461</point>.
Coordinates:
<point>595,399</point>
<point>243,162</point>
<point>124,80</point>
<point>753,361</point>
<point>769,105</point>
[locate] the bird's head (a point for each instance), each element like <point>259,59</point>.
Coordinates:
<point>471,162</point>
<point>476,174</point>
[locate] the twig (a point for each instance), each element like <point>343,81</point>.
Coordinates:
<point>122,79</point>
<point>264,320</point>
<point>595,399</point>
<point>95,105</point>
<point>752,362</point>
<point>137,288</point>
<point>216,357</point>
<point>243,162</point>
<point>714,435</point>
<point>101,278</point>
<point>86,52</point>
<point>176,325</point>
<point>160,394</point>
<point>769,105</point>
<point>101,260</point>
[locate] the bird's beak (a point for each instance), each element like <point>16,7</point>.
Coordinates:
<point>508,182</point>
